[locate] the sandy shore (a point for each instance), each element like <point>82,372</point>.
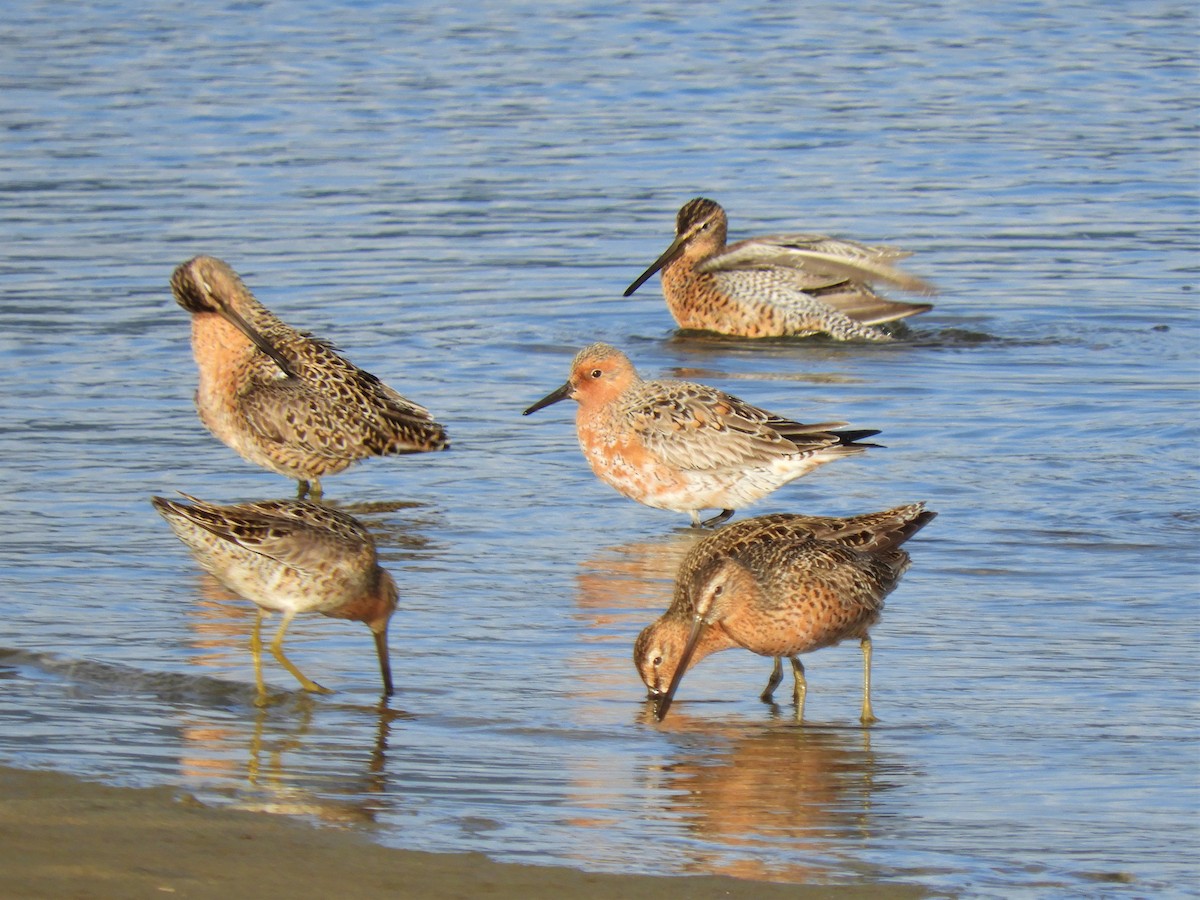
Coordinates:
<point>65,838</point>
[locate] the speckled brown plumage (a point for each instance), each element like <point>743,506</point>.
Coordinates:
<point>290,557</point>
<point>282,399</point>
<point>779,585</point>
<point>777,285</point>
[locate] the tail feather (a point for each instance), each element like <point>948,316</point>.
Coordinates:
<point>863,305</point>
<point>855,437</point>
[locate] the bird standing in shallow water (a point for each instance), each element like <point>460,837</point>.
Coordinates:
<point>687,447</point>
<point>777,285</point>
<point>779,585</point>
<point>290,556</point>
<point>282,399</point>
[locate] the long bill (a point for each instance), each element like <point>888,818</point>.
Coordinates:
<point>235,319</point>
<point>664,702</point>
<point>554,396</point>
<point>667,255</point>
<point>385,665</point>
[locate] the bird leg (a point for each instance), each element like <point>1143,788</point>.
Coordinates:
<point>277,652</point>
<point>772,682</point>
<point>801,689</point>
<point>256,652</point>
<point>717,519</point>
<point>867,716</point>
<point>310,489</point>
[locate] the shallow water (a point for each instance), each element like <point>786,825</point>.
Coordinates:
<point>457,197</point>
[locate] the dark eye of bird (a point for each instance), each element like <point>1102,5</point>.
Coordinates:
<point>596,373</point>
<point>657,661</point>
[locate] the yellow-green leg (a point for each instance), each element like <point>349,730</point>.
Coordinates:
<point>310,489</point>
<point>772,682</point>
<point>801,689</point>
<point>277,652</point>
<point>868,716</point>
<point>256,652</point>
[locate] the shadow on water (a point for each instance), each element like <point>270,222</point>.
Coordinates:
<point>395,535</point>
<point>94,678</point>
<point>370,508</point>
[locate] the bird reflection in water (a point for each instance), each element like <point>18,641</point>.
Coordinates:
<point>615,587</point>
<point>633,576</point>
<point>283,760</point>
<point>800,795</point>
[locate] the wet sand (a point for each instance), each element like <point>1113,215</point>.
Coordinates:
<point>65,838</point>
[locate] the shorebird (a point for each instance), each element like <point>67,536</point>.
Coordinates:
<point>777,285</point>
<point>779,586</point>
<point>290,557</point>
<point>282,399</point>
<point>686,447</point>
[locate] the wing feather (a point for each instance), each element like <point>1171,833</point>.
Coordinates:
<point>697,428</point>
<point>299,535</point>
<point>823,267</point>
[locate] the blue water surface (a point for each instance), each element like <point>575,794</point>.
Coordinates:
<point>456,196</point>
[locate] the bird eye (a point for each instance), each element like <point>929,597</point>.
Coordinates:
<point>656,662</point>
<point>596,373</point>
<point>718,590</point>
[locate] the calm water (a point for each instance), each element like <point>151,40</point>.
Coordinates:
<point>457,196</point>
